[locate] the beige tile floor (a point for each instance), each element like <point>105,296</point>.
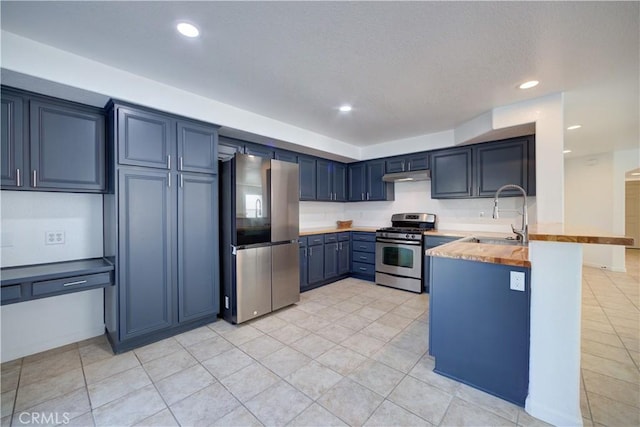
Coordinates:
<point>350,353</point>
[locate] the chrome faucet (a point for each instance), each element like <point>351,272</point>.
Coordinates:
<point>523,233</point>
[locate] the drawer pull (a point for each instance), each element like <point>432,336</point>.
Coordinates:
<point>363,257</point>
<point>363,269</point>
<point>79,282</point>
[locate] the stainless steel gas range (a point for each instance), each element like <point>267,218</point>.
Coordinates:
<point>399,251</point>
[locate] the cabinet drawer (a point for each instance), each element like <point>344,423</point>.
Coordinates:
<point>432,241</point>
<point>302,241</point>
<point>330,238</point>
<point>366,257</point>
<point>363,237</point>
<point>70,284</point>
<point>316,239</point>
<point>361,268</point>
<point>10,293</point>
<point>343,237</point>
<point>364,246</point>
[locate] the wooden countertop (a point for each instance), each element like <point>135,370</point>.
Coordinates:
<point>572,234</point>
<point>325,230</point>
<point>516,255</point>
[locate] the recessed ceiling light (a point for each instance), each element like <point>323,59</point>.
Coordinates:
<point>574,127</point>
<point>345,108</point>
<point>566,151</point>
<point>529,84</point>
<point>188,30</point>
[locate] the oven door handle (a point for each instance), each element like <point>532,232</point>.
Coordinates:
<point>400,242</point>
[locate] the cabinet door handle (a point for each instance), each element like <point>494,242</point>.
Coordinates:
<point>35,178</point>
<point>180,165</point>
<point>169,180</point>
<point>361,196</point>
<point>337,248</point>
<point>181,180</point>
<point>409,166</point>
<point>18,183</point>
<point>79,282</point>
<point>403,166</point>
<point>168,161</point>
<point>367,195</point>
<point>305,252</point>
<point>311,251</point>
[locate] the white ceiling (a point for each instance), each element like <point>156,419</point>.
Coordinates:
<point>408,68</point>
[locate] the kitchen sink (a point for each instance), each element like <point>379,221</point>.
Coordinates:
<point>494,240</point>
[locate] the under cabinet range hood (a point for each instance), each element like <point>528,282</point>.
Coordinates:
<point>423,175</point>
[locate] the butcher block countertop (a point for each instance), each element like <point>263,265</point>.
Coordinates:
<point>517,255</point>
<point>572,234</point>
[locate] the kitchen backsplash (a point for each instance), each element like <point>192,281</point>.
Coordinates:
<point>462,214</point>
<point>28,216</point>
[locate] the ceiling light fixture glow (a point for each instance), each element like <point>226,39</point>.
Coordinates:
<point>566,151</point>
<point>188,30</point>
<point>574,127</point>
<point>529,84</point>
<point>345,108</point>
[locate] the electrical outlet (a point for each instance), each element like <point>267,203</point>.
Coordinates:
<point>54,238</point>
<point>517,281</point>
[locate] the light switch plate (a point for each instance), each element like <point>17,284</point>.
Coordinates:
<point>517,281</point>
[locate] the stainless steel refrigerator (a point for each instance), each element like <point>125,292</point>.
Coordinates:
<point>259,228</point>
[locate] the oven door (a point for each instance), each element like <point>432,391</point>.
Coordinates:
<point>399,257</point>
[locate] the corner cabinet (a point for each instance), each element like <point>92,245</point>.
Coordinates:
<point>51,145</point>
<point>480,170</point>
<point>331,181</point>
<point>163,212</point>
<point>366,184</point>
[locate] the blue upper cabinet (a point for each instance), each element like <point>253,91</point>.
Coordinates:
<point>145,139</point>
<point>307,171</point>
<point>451,174</point>
<point>481,169</point>
<point>67,147</point>
<point>366,184</point>
<point>197,147</point>
<point>409,162</point>
<point>331,181</point>
<point>357,182</point>
<point>377,188</point>
<point>503,163</point>
<point>12,157</point>
<point>324,185</point>
<point>339,182</point>
<point>51,145</point>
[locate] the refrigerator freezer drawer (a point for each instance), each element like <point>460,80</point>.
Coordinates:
<point>253,283</point>
<point>285,285</point>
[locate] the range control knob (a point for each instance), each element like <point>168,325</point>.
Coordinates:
<point>408,236</point>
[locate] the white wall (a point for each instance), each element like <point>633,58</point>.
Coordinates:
<point>26,216</point>
<point>465,214</point>
<point>34,326</point>
<point>589,201</point>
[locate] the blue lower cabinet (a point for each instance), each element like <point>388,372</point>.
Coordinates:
<point>363,255</point>
<point>344,258</point>
<point>315,256</point>
<point>479,326</point>
<point>430,242</point>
